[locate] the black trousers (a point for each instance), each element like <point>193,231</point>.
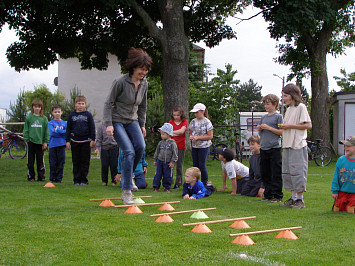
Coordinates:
<point>81,154</point>
<point>271,168</point>
<point>109,159</point>
<point>35,152</point>
<point>56,163</point>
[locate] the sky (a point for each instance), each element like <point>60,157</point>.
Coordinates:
<point>251,54</point>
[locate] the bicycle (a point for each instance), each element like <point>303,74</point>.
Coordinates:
<point>16,146</point>
<point>238,148</point>
<point>213,149</point>
<point>322,155</point>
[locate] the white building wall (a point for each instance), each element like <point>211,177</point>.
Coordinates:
<point>94,84</point>
<point>2,115</point>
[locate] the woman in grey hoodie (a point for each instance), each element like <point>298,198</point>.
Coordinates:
<point>125,115</point>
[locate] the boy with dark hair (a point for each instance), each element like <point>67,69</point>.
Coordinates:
<point>57,130</point>
<point>238,173</point>
<point>80,139</point>
<point>254,187</point>
<point>270,149</point>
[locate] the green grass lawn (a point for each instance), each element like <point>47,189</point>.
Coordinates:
<point>61,226</point>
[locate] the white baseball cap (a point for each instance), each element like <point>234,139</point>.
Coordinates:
<point>198,107</point>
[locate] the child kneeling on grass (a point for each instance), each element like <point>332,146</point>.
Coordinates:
<point>193,188</point>
<point>343,185</point>
<point>237,172</point>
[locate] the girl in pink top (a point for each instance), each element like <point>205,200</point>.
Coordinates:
<point>179,122</point>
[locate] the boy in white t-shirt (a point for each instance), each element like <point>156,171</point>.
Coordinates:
<point>238,173</point>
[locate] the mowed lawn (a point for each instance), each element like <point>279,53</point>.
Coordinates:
<point>44,226</point>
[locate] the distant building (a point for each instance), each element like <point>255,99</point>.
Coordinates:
<point>343,118</point>
<point>2,115</point>
<point>93,84</point>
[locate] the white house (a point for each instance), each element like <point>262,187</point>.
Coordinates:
<point>94,84</point>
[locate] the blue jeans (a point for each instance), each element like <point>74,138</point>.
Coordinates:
<point>163,170</point>
<point>199,158</point>
<point>130,140</point>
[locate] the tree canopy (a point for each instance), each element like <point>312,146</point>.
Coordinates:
<point>311,29</point>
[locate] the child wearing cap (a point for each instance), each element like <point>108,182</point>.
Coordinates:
<point>200,134</point>
<point>165,157</point>
<point>343,184</point>
<point>238,173</point>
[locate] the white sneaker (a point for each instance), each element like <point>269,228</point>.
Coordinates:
<point>127,197</point>
<point>134,187</point>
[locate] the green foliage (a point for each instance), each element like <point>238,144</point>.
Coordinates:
<point>17,112</point>
<point>91,29</point>
<point>155,119</point>
<point>249,96</point>
<point>347,83</point>
<point>220,97</point>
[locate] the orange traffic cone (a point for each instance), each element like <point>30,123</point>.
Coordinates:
<point>240,224</point>
<point>107,203</point>
<point>164,219</point>
<point>201,228</point>
<point>133,209</point>
<point>166,207</point>
<point>49,184</point>
<point>243,240</point>
<point>287,234</point>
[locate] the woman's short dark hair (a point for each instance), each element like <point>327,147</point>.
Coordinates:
<point>294,91</point>
<point>137,57</point>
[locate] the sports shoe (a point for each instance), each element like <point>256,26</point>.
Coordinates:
<point>288,203</point>
<point>275,200</point>
<point>76,184</point>
<point>104,184</point>
<point>30,179</point>
<point>83,184</point>
<point>134,187</point>
<point>176,187</point>
<point>264,199</point>
<point>299,204</point>
<point>113,184</point>
<point>167,190</point>
<point>127,197</point>
<point>210,184</point>
<point>155,189</point>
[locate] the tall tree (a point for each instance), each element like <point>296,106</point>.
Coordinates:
<point>312,29</point>
<point>89,29</point>
<point>249,96</point>
<point>347,83</point>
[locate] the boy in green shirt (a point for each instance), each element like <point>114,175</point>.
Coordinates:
<point>36,134</point>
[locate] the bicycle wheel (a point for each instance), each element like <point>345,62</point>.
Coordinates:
<point>18,149</point>
<point>323,156</point>
<point>219,145</point>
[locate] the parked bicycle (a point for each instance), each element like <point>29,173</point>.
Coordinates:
<point>16,146</point>
<point>322,155</point>
<point>238,148</point>
<point>213,149</point>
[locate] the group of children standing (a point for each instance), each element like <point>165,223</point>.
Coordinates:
<point>269,169</point>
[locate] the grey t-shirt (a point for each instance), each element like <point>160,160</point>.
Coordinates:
<point>268,139</point>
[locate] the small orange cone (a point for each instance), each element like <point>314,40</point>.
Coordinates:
<point>133,209</point>
<point>240,224</point>
<point>164,219</point>
<point>107,203</point>
<point>166,207</point>
<point>201,228</point>
<point>49,184</point>
<point>243,240</point>
<point>287,234</point>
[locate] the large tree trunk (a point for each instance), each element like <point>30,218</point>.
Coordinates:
<point>320,93</point>
<point>176,53</point>
<point>175,50</point>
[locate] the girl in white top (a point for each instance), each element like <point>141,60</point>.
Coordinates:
<point>295,156</point>
<point>200,134</point>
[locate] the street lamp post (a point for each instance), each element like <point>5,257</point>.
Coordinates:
<point>283,85</point>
